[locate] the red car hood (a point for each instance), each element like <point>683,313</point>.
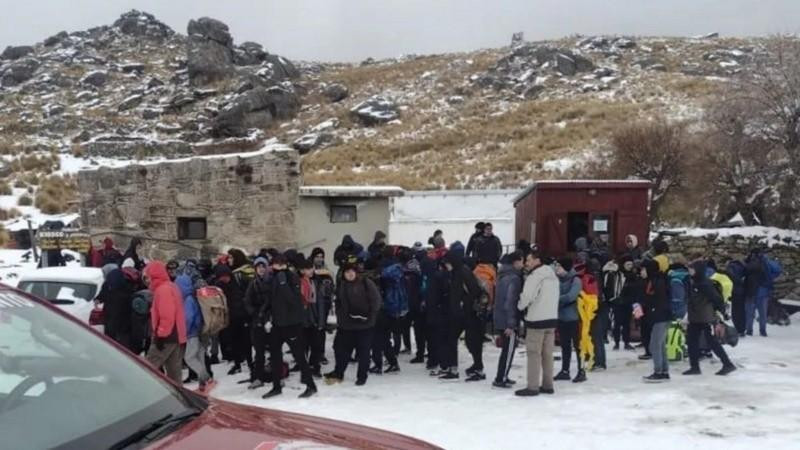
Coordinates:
<point>226,425</point>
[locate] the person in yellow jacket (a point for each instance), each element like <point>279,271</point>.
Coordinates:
<point>660,249</point>
<point>724,281</point>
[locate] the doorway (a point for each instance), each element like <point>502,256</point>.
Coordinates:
<point>577,226</point>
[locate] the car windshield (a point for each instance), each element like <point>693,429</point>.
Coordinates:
<point>60,291</point>
<point>63,386</point>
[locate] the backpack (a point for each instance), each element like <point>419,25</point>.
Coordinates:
<point>141,301</point>
<point>483,304</point>
<point>214,308</point>
<point>488,274</point>
<point>773,270</point>
<point>679,289</point>
<point>613,282</point>
<point>676,342</point>
<point>395,298</point>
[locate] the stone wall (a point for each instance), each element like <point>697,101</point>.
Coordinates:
<point>737,246</point>
<point>249,201</point>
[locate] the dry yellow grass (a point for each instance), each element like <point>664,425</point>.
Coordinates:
<point>55,194</point>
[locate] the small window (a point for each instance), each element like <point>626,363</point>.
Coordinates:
<point>343,214</point>
<point>190,228</point>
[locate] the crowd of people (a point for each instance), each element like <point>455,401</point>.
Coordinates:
<point>237,308</point>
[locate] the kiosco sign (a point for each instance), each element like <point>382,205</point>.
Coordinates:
<point>75,240</point>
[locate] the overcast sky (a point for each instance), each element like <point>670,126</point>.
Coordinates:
<point>351,30</point>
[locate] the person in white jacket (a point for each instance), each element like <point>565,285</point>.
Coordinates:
<point>539,301</point>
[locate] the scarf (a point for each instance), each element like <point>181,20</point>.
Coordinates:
<point>308,292</point>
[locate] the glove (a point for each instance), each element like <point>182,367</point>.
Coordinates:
<point>159,344</point>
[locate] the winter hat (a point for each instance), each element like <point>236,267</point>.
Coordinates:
<point>261,261</point>
<point>565,263</point>
<point>660,247</point>
<point>128,263</point>
<point>279,259</point>
<point>222,270</point>
<point>350,266</point>
<point>418,247</point>
<point>457,247</point>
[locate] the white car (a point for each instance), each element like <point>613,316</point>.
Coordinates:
<point>72,289</point>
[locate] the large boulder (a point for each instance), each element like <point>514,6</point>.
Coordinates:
<point>19,71</point>
<point>16,52</point>
<point>281,67</point>
<point>249,54</point>
<point>97,78</point>
<point>336,92</point>
<point>57,38</point>
<point>313,141</point>
<point>141,24</point>
<point>209,51</point>
<point>255,108</point>
<point>569,64</point>
<point>375,111</point>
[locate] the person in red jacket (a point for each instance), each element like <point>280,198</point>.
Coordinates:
<point>167,320</point>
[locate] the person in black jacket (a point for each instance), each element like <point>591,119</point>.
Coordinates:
<point>412,277</point>
<point>375,249</point>
<point>704,300</point>
<point>656,303</point>
<point>286,312</point>
<point>488,248</point>
<point>116,296</point>
<point>463,292</point>
<point>474,239</point>
<point>358,302</point>
<point>134,248</point>
<point>255,301</point>
<point>235,338</point>
<point>623,304</point>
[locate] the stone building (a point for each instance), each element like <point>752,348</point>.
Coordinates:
<point>196,206</point>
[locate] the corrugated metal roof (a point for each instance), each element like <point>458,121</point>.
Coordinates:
<point>601,184</point>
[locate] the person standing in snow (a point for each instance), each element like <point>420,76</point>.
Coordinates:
<point>109,253</point>
<point>195,353</point>
<point>488,247</point>
<point>167,320</point>
<point>623,303</point>
<point>116,295</point>
<point>285,309</point>
<point>133,252</point>
<point>358,303</point>
<point>656,302</point>
<point>539,303</point>
<point>568,319</point>
<point>314,315</point>
<point>236,336</point>
<point>412,277</point>
<point>464,291</point>
<point>632,248</point>
<point>703,301</point>
<point>506,316</point>
<point>326,289</point>
<point>255,302</point>
<point>377,246</point>
<point>473,240</point>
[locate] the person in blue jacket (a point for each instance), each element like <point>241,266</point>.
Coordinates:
<point>195,352</point>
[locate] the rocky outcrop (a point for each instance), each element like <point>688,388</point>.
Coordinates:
<point>140,24</point>
<point>375,111</point>
<point>209,52</point>
<point>18,71</point>
<point>255,108</point>
<point>96,78</point>
<point>16,52</point>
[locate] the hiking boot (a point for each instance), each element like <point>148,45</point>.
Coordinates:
<point>361,382</point>
<point>616,346</point>
<point>376,370</point>
<point>255,385</point>
<point>436,372</point>
<point>664,377</point>
<point>510,381</point>
<point>693,371</point>
<point>654,378</point>
<point>598,367</point>
<point>629,347</point>
<point>749,332</point>
<point>550,391</point>
<point>763,333</point>
<point>190,378</point>
<point>562,376</point>
<point>645,357</point>
<point>418,360</point>
<point>526,393</point>
<point>310,390</point>
<point>392,368</point>
<point>476,376</point>
<point>726,369</point>
<point>580,377</point>
<point>274,392</point>
<point>405,351</point>
<point>449,376</point>
<point>237,368</point>
<point>324,361</point>
<point>213,359</point>
<point>316,373</point>
<point>471,369</point>
<point>501,384</point>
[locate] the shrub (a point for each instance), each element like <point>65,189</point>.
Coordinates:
<point>54,194</point>
<point>5,188</point>
<point>25,200</point>
<point>6,214</point>
<point>20,184</point>
<point>4,237</point>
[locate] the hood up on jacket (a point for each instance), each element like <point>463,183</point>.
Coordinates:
<point>185,284</point>
<point>156,271</point>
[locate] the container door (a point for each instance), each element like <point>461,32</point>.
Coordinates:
<point>555,240</point>
<point>601,227</point>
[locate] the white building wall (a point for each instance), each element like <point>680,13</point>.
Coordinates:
<point>416,215</point>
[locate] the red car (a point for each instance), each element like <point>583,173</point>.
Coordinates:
<point>64,385</point>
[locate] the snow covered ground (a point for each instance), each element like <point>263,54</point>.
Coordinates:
<point>758,406</point>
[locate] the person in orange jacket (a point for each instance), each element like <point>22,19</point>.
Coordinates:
<point>167,320</point>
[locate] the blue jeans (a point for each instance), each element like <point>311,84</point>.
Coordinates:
<point>658,347</point>
<point>758,303</point>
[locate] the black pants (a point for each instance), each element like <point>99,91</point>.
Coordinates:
<point>260,340</point>
<point>121,337</point>
<point>693,333</point>
<point>385,326</point>
<point>437,338</point>
<point>622,323</point>
<point>420,324</point>
<point>235,343</point>
<point>292,336</point>
<point>314,346</point>
<point>568,338</point>
<point>402,334</point>
<point>599,331</point>
<point>647,328</point>
<point>506,356</point>
<point>473,328</point>
<point>344,344</point>
<point>738,313</point>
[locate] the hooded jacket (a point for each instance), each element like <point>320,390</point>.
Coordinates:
<point>325,288</point>
<point>166,313</point>
<point>464,288</point>
<point>375,249</point>
<point>285,300</point>
<point>569,287</point>
<point>191,309</point>
<point>138,263</point>
<point>655,295</point>
<point>357,304</point>
<point>488,249</point>
<point>116,294</point>
<point>703,297</point>
<point>256,298</point>
<point>635,253</point>
<point>507,292</point>
<point>539,298</point>
<point>234,294</point>
<point>348,247</point>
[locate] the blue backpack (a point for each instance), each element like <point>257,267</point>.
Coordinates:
<point>395,296</point>
<point>772,270</point>
<point>679,289</point>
